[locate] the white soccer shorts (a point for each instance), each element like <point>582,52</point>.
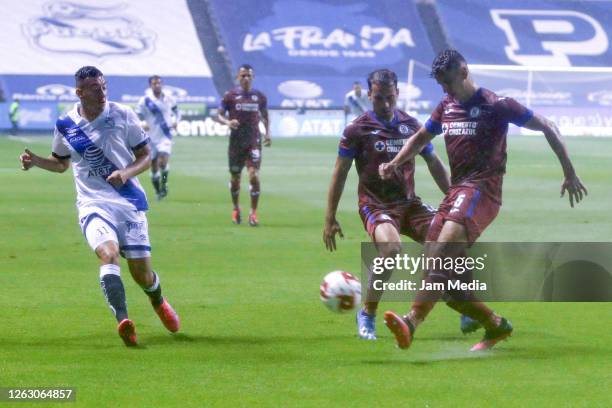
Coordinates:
<point>127,227</point>
<point>164,146</point>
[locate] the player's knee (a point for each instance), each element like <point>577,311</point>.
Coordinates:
<point>389,249</point>
<point>108,253</point>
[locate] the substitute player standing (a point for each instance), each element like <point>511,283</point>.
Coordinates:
<point>108,149</point>
<point>160,115</point>
<point>475,124</point>
<point>246,107</point>
<point>391,207</point>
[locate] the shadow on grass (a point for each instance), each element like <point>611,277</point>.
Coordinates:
<point>505,353</point>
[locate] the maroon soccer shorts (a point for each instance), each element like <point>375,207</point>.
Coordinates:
<point>468,206</point>
<point>411,218</point>
<point>239,156</point>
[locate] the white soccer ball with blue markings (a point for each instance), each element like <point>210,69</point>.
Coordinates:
<point>340,291</point>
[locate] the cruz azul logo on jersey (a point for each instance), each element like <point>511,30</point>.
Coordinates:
<point>550,37</point>
<point>73,28</point>
<point>390,145</point>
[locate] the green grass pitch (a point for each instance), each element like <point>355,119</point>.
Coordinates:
<point>254,332</point>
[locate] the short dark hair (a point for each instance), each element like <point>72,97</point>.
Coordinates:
<point>153,78</point>
<point>445,61</point>
<point>87,71</point>
<point>382,77</point>
<point>248,67</point>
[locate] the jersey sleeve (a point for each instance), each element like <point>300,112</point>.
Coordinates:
<point>348,142</point>
<point>513,112</point>
<point>136,136</point>
<point>140,108</point>
<point>59,150</point>
<point>434,123</point>
<point>225,103</point>
<point>263,102</point>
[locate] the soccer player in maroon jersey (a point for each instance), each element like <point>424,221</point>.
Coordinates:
<point>246,107</point>
<point>387,208</point>
<point>475,124</point>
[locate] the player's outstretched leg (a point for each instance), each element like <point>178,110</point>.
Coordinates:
<point>254,192</point>
<point>165,171</point>
<point>166,313</point>
<point>114,292</point>
<point>141,271</point>
<point>234,186</point>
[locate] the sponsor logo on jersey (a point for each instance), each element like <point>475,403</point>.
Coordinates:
<point>379,146</point>
<point>460,128</point>
<point>247,107</point>
<point>71,28</point>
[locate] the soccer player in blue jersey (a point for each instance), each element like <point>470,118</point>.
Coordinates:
<point>108,149</point>
<point>160,115</point>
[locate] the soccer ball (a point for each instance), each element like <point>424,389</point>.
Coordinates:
<point>340,291</point>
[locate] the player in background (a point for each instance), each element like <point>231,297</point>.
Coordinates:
<point>356,102</point>
<point>108,149</point>
<point>475,122</point>
<point>246,107</point>
<point>387,208</point>
<point>159,115</point>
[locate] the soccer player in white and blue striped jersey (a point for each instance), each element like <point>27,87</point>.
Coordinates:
<point>160,115</point>
<point>108,149</point>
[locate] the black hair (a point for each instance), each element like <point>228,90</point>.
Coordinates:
<point>153,78</point>
<point>382,77</point>
<point>248,67</point>
<point>445,61</point>
<point>87,71</point>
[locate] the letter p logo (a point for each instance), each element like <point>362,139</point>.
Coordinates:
<point>549,37</point>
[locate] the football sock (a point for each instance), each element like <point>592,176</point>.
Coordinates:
<point>164,176</point>
<point>155,179</point>
<point>112,287</point>
<point>154,292</point>
<point>254,190</point>
<point>234,186</point>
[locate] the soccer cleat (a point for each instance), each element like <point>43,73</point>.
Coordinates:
<point>401,329</point>
<point>366,325</point>
<point>127,332</point>
<point>253,221</point>
<point>168,316</point>
<point>494,336</point>
<point>236,218</point>
<point>469,325</point>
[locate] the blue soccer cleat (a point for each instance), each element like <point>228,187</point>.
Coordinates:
<point>366,325</point>
<point>469,325</point>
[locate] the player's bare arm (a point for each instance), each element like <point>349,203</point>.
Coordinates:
<point>141,163</point>
<point>414,145</point>
<point>233,124</point>
<point>266,121</point>
<point>332,227</point>
<point>571,183</point>
<point>438,171</point>
<point>57,165</point>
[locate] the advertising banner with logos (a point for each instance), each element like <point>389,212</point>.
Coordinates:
<point>308,53</point>
<point>45,41</point>
<point>544,33</point>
